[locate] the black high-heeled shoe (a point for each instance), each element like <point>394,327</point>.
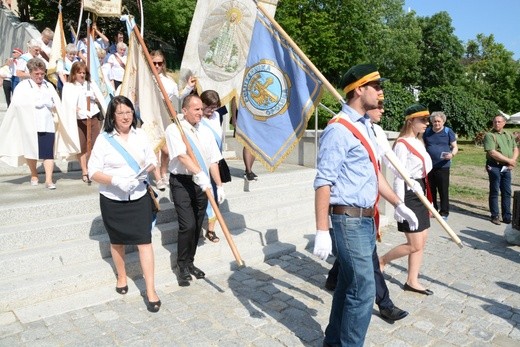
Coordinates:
<point>122,290</point>
<point>153,306</point>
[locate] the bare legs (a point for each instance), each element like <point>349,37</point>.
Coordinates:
<point>31,163</point>
<point>146,258</point>
<point>161,169</point>
<point>414,249</point>
<point>118,256</point>
<point>48,166</point>
<point>147,265</point>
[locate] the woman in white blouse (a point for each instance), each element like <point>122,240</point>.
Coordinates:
<point>409,149</point>
<point>120,160</point>
<point>82,100</point>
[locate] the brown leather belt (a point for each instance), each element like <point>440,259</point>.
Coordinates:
<point>352,211</point>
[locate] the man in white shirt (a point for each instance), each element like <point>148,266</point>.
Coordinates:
<point>189,182</point>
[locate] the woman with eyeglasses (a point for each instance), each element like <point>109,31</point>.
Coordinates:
<point>172,89</point>
<point>410,150</point>
<point>120,160</point>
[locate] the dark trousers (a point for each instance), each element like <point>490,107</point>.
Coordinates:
<point>499,182</point>
<point>382,294</point>
<point>190,204</point>
<point>7,90</point>
<point>439,180</point>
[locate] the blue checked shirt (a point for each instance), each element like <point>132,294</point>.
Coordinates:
<point>344,164</point>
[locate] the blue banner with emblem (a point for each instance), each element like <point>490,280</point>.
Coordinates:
<point>279,94</point>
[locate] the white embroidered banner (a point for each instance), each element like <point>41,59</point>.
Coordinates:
<point>103,8</point>
<point>218,44</point>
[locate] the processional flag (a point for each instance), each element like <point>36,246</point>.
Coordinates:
<point>103,8</point>
<point>96,73</point>
<point>218,43</point>
<point>279,94</point>
<point>57,50</point>
<point>140,86</point>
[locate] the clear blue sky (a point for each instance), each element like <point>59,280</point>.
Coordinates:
<point>471,17</point>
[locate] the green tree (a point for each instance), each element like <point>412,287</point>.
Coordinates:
<point>492,73</point>
<point>397,99</point>
<point>441,52</point>
<point>466,113</point>
<point>167,23</point>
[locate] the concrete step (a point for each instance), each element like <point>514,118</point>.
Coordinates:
<point>254,245</point>
<point>89,225</point>
<point>40,254</point>
<point>53,247</point>
<point>22,202</point>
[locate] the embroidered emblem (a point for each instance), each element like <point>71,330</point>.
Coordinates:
<point>265,91</point>
<point>224,40</point>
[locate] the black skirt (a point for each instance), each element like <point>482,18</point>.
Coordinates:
<point>421,212</point>
<point>127,222</point>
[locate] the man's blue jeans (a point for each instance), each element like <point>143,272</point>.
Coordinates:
<point>499,181</point>
<point>353,300</point>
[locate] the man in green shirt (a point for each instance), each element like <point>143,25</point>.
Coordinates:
<point>501,154</point>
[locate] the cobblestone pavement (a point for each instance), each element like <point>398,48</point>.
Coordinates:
<point>282,302</point>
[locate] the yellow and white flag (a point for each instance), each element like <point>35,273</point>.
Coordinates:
<point>103,8</point>
<point>218,44</point>
<point>140,86</point>
<point>57,50</point>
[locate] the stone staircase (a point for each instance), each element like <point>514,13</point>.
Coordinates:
<point>55,255</point>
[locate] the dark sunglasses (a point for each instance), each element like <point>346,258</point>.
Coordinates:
<point>158,63</point>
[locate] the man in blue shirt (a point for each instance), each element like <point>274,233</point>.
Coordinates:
<point>346,187</point>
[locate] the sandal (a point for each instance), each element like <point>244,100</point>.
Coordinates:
<point>210,235</point>
<point>86,179</point>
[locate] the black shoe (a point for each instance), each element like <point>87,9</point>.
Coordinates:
<point>495,220</point>
<point>393,314</point>
<point>195,271</point>
<point>184,277</point>
<point>250,176</point>
<point>506,221</point>
<point>153,306</point>
<point>412,289</point>
<point>122,290</point>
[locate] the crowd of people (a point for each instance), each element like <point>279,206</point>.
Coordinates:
<point>73,120</point>
<point>349,182</point>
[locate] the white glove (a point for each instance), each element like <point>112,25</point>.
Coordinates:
<point>221,195</point>
<point>126,184</point>
<point>322,244</point>
<point>44,104</point>
<point>404,213</point>
<point>416,187</point>
<point>202,180</point>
